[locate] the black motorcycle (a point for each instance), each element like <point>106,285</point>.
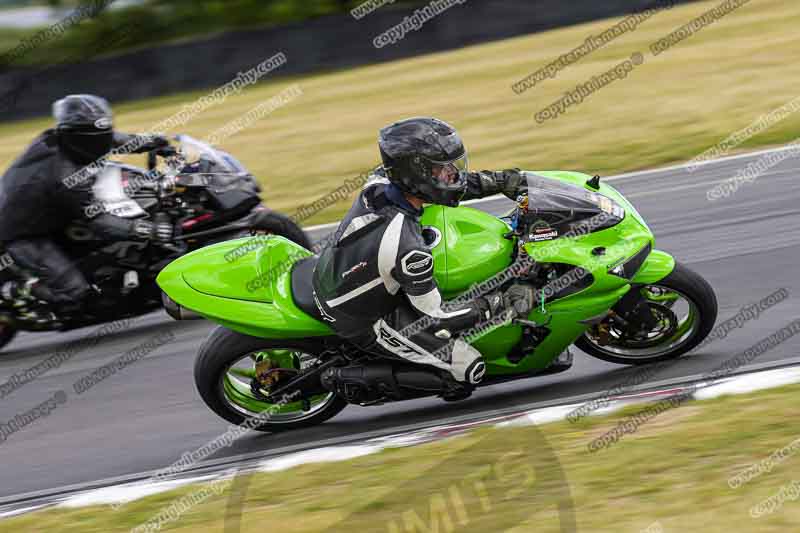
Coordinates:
<point>206,193</point>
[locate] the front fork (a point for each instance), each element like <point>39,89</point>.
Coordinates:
<point>633,309</point>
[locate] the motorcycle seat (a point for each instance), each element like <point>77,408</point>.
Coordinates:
<point>302,288</point>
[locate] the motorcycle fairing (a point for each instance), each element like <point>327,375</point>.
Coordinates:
<point>110,192</point>
<point>214,283</point>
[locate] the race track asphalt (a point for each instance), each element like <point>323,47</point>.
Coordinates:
<point>148,414</point>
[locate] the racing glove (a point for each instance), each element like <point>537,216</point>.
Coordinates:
<point>519,298</point>
<point>158,144</point>
<point>486,182</point>
<point>145,143</point>
<point>509,182</point>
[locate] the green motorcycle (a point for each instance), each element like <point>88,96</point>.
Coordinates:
<point>600,285</point>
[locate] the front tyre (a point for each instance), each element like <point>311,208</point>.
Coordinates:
<point>274,223</point>
<point>226,371</point>
<point>7,334</point>
<point>686,308</point>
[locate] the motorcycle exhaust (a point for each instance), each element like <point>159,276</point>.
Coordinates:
<point>177,312</point>
<point>418,382</point>
<point>370,384</point>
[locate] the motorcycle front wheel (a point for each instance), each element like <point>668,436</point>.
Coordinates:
<point>685,307</point>
<point>7,334</point>
<point>274,223</point>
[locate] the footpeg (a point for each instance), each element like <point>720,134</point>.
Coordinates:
<point>525,322</point>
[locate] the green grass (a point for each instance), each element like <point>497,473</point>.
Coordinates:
<point>11,37</point>
<point>674,470</point>
<point>670,109</point>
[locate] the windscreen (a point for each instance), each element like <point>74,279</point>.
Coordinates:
<point>553,203</point>
<point>196,152</point>
<point>555,195</point>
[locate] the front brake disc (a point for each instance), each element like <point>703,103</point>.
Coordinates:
<point>665,317</point>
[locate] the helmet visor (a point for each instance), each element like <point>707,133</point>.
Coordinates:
<point>449,174</point>
<point>87,146</point>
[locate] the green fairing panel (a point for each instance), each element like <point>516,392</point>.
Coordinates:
<point>657,267</point>
<point>433,217</point>
<point>204,281</point>
<point>472,247</point>
<point>563,316</point>
<point>629,235</point>
<point>249,277</point>
<point>620,242</point>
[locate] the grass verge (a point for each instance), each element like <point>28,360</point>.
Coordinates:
<point>673,471</point>
<point>669,109</point>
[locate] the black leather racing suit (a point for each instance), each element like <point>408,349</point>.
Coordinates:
<point>374,280</point>
<point>35,203</point>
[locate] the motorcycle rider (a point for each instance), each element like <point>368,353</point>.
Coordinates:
<point>37,200</point>
<point>375,277</point>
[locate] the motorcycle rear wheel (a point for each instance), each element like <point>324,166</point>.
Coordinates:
<point>225,387</point>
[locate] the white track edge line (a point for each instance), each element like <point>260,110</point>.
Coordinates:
<point>725,386</point>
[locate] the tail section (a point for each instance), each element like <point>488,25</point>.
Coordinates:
<point>243,284</point>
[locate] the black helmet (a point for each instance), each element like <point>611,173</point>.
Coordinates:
<point>84,127</point>
<point>425,157</point>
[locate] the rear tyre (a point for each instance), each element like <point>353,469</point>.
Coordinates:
<point>685,334</point>
<point>272,222</point>
<point>214,372</point>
